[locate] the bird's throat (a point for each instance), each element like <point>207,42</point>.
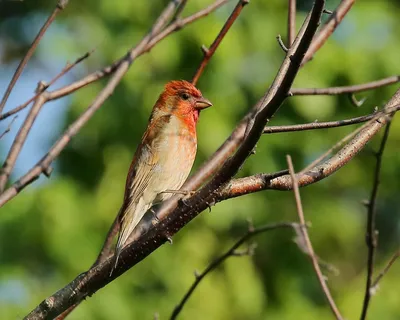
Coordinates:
<point>196,114</point>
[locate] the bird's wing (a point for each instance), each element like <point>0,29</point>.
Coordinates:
<point>144,163</point>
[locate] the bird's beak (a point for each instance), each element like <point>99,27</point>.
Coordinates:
<point>202,103</point>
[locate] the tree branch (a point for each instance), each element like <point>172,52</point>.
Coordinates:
<point>371,236</point>
<point>320,125</point>
<point>61,4</point>
<point>19,140</point>
<point>44,87</point>
<point>97,277</point>
<point>8,127</point>
<point>291,22</point>
<point>318,170</point>
<point>231,252</point>
<point>328,28</point>
<point>385,270</point>
<point>307,242</point>
<point>208,53</point>
<point>345,89</point>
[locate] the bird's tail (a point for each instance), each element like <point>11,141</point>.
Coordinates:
<point>129,221</point>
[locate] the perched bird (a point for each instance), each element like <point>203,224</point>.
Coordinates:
<point>165,156</point>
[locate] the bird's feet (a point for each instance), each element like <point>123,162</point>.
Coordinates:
<point>185,193</point>
<point>155,219</point>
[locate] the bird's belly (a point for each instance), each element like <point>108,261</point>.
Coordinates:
<point>176,159</point>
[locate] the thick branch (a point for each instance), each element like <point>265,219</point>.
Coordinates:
<point>99,276</point>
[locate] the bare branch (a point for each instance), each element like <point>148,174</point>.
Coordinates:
<point>371,236</point>
<point>59,7</point>
<point>328,28</point>
<point>308,244</point>
<point>208,53</point>
<point>291,22</point>
<point>8,127</point>
<point>231,252</point>
<point>20,139</point>
<point>318,170</point>
<point>345,89</point>
<point>319,125</point>
<point>44,87</point>
<point>97,277</point>
<point>155,39</point>
<point>385,270</point>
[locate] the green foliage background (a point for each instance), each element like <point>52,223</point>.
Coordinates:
<point>54,229</point>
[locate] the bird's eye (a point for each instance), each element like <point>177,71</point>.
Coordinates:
<point>185,96</point>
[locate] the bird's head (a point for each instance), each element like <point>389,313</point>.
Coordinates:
<point>182,99</point>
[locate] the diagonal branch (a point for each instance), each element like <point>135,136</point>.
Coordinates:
<point>385,270</point>
<point>8,127</point>
<point>308,244</point>
<point>20,140</point>
<point>328,28</point>
<point>231,252</point>
<point>208,53</point>
<point>99,276</point>
<point>61,4</point>
<point>44,87</point>
<point>320,170</point>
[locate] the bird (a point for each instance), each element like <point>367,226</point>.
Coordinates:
<point>165,156</point>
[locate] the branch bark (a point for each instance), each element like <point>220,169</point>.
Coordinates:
<point>97,277</point>
<point>61,4</point>
<point>308,245</point>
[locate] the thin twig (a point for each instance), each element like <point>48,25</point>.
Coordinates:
<point>308,244</point>
<point>59,7</point>
<point>8,127</point>
<point>385,270</point>
<point>43,88</point>
<point>208,53</point>
<point>345,89</point>
<point>319,125</point>
<point>328,28</point>
<point>231,252</point>
<point>19,140</point>
<point>371,236</point>
<point>291,22</point>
